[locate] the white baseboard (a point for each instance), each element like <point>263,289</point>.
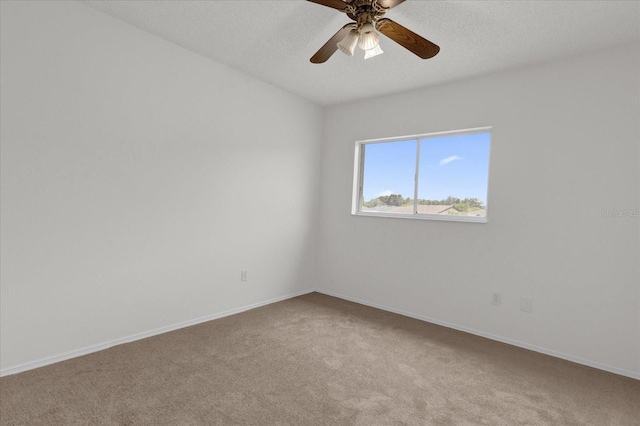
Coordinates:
<point>101,346</point>
<point>138,336</point>
<point>578,360</point>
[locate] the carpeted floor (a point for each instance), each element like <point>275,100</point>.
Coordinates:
<point>318,360</point>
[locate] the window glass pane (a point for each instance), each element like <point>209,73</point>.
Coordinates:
<point>453,175</point>
<point>388,177</point>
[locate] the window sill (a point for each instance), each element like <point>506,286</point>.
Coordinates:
<point>445,218</point>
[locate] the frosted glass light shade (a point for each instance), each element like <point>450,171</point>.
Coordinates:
<point>348,44</point>
<point>368,37</point>
<point>373,52</point>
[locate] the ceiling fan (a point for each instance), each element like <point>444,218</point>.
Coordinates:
<point>368,17</point>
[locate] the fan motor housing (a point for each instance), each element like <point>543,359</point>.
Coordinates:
<point>365,11</point>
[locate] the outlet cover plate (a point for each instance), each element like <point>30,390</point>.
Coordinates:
<point>496,298</point>
<point>526,304</point>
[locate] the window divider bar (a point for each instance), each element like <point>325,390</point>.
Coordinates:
<point>415,183</point>
<point>363,149</point>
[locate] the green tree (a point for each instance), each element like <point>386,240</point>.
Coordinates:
<point>463,207</point>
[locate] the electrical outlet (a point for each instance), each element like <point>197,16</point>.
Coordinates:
<point>244,275</point>
<point>496,298</point>
<point>526,304</point>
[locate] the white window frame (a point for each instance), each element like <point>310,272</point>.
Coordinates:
<point>358,168</point>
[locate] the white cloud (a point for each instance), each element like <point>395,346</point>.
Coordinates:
<point>385,193</point>
<point>449,159</point>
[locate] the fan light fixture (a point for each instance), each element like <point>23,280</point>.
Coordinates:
<point>370,53</point>
<point>348,43</point>
<point>366,38</point>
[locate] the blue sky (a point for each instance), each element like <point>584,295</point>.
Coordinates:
<point>449,165</point>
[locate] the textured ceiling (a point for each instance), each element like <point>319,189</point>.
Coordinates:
<point>273,40</point>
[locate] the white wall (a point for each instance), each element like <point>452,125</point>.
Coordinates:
<point>138,179</point>
<point>565,147</point>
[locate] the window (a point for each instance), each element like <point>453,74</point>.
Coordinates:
<point>442,176</point>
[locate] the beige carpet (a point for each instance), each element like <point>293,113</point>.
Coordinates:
<point>318,360</point>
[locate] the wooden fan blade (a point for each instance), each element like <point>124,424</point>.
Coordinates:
<point>388,4</point>
<point>331,46</point>
<point>407,38</point>
<point>334,4</point>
